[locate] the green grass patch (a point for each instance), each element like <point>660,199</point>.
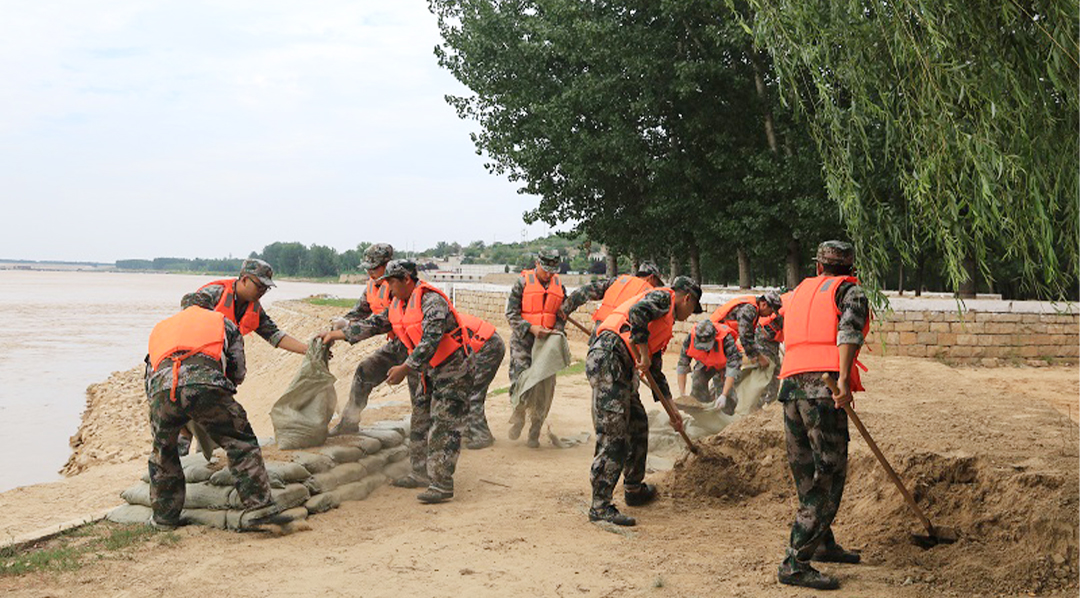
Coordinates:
<point>578,367</point>
<point>347,303</point>
<point>74,548</point>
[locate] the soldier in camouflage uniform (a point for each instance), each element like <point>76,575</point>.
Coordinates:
<point>709,384</point>
<point>483,365</point>
<point>204,393</point>
<point>622,427</point>
<point>817,428</point>
<point>255,279</point>
<point>372,370</point>
<point>439,393</point>
<point>521,345</point>
<point>766,336</point>
<point>746,317</point>
<point>595,291</point>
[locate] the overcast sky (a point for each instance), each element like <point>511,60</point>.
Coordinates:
<point>202,129</point>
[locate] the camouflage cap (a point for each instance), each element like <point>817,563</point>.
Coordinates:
<point>377,255</point>
<point>197,299</point>
<point>548,259</point>
<point>646,269</point>
<point>400,269</point>
<point>773,299</point>
<point>686,284</point>
<point>260,270</point>
<point>836,253</point>
<point>704,335</point>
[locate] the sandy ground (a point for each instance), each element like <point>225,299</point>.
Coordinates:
<point>987,450</point>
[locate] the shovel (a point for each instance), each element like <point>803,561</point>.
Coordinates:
<point>934,535</point>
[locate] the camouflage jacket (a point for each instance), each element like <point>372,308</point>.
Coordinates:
<point>854,313</point>
<point>594,291</point>
<point>731,352</point>
<point>513,311</point>
<point>747,316</point>
<point>438,320</point>
<point>654,305</point>
<point>202,370</point>
<point>267,328</point>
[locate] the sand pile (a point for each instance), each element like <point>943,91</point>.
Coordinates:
<point>1019,523</point>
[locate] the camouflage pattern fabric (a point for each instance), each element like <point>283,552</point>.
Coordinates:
<point>747,317</point>
<point>770,348</point>
<point>439,410</point>
<point>370,373</point>
<point>260,270</point>
<point>202,370</point>
<point>227,424</point>
<point>521,346</point>
<point>619,419</point>
<point>817,441</point>
<point>267,329</point>
<point>594,291</point>
<point>377,255</point>
<point>483,365</point>
<point>707,383</point>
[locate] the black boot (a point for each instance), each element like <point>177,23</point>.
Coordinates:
<point>643,495</point>
<point>611,515</point>
<point>807,578</point>
<point>836,554</point>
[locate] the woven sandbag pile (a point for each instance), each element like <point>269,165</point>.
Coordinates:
<point>302,482</point>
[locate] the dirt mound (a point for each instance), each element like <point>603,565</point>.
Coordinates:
<point>115,426</point>
<point>1018,523</point>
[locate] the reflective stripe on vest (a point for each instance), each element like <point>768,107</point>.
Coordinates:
<point>624,287</point>
<point>407,322</point>
<point>226,306</point>
<point>660,329</point>
<point>811,318</point>
<point>538,304</point>
<point>194,331</point>
<point>714,358</point>
<point>378,296</point>
<point>479,331</point>
<point>723,312</point>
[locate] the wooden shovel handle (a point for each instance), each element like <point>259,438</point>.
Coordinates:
<point>579,326</point>
<point>880,457</point>
<point>672,413</point>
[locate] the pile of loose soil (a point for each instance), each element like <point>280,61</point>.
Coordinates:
<point>1018,523</point>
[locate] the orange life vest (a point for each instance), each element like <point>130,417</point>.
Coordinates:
<point>623,288</point>
<point>194,331</point>
<point>378,296</point>
<point>249,321</point>
<point>810,325</point>
<point>723,312</point>
<point>660,329</point>
<point>538,304</point>
<point>407,323</point>
<point>714,358</point>
<point>479,331</point>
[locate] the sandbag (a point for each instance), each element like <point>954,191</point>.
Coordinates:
<point>359,490</point>
<point>207,517</point>
<point>342,454</point>
<point>290,473</point>
<point>288,497</point>
<point>130,514</point>
<point>314,462</point>
<point>751,388</point>
<point>375,463</point>
<point>550,354</point>
<point>301,415</point>
<point>367,444</point>
<point>321,503</point>
<point>238,520</point>
<point>396,454</point>
<point>398,470</point>
<point>387,438</point>
<point>196,496</point>
<point>338,476</point>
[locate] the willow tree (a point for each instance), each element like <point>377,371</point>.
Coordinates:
<point>971,105</point>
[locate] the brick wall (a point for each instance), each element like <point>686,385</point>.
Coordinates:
<point>988,333</point>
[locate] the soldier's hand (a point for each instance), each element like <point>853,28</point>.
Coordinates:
<point>540,331</point>
<point>844,398</point>
<point>328,338</point>
<point>677,421</point>
<point>397,374</point>
<point>762,361</point>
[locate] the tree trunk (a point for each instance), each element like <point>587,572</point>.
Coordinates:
<point>969,286</point>
<point>759,85</point>
<point>635,264</point>
<point>695,259</point>
<point>673,266</point>
<point>612,264</point>
<point>919,275</point>
<point>792,263</point>
<point>744,269</point>
<point>900,283</point>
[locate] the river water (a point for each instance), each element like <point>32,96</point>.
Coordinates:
<point>61,332</point>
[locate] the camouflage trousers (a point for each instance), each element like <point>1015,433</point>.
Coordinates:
<point>622,427</point>
<point>772,351</point>
<point>483,365</point>
<point>439,411</point>
<point>707,383</point>
<point>370,373</point>
<point>227,424</point>
<point>817,452</point>
<point>536,402</point>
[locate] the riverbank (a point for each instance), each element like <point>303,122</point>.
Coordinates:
<point>988,450</point>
